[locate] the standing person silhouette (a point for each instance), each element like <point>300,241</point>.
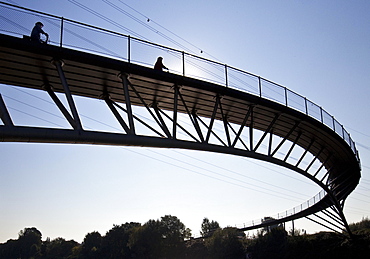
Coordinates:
<point>159,65</point>
<point>36,31</point>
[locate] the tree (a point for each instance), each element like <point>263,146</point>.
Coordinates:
<point>91,245</point>
<point>29,242</point>
<point>60,248</point>
<point>271,245</point>
<point>172,228</point>
<point>159,238</point>
<point>146,241</point>
<point>173,233</point>
<point>10,249</point>
<point>226,243</point>
<point>115,242</point>
<point>363,225</point>
<point>208,227</point>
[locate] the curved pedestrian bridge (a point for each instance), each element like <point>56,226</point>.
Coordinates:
<point>259,119</point>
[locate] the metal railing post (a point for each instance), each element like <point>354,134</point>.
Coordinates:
<point>61,32</point>
<point>286,96</point>
<point>129,49</point>
<point>305,103</point>
<point>343,133</point>
<point>183,63</point>
<point>260,85</point>
<point>226,80</point>
<point>333,123</point>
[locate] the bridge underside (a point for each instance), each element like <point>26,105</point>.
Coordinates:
<point>251,126</point>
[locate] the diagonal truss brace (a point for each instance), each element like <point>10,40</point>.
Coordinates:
<point>210,130</point>
<point>4,114</point>
<point>75,122</point>
<point>178,125</point>
<point>175,105</point>
<point>193,118</point>
<point>110,104</point>
<point>242,126</point>
<point>162,123</point>
<point>226,128</point>
<point>267,131</point>
<point>159,119</point>
<point>119,118</point>
<point>61,107</point>
<point>213,117</point>
<point>125,83</point>
<point>285,138</point>
<point>323,224</point>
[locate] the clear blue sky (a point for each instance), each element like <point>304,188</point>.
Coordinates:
<point>319,49</point>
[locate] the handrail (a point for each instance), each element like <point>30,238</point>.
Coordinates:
<point>285,214</point>
<point>224,71</point>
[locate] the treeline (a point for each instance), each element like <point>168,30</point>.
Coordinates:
<point>169,238</point>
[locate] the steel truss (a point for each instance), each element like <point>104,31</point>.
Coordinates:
<point>242,139</point>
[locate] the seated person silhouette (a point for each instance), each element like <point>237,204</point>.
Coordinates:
<point>36,33</point>
<point>159,65</point>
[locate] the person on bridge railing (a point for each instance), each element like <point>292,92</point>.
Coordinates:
<point>159,65</point>
<point>36,33</point>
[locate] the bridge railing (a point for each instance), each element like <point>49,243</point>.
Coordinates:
<point>63,32</point>
<point>284,214</point>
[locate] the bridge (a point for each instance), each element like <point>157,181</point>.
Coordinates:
<point>260,119</point>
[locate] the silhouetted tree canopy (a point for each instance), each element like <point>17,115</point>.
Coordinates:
<point>91,245</point>
<point>168,237</point>
<point>208,227</point>
<point>59,248</point>
<point>159,238</point>
<point>115,242</point>
<point>226,243</point>
<point>29,242</point>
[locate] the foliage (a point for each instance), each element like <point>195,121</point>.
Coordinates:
<point>277,244</point>
<point>269,245</point>
<point>9,249</point>
<point>59,248</point>
<point>196,249</point>
<point>364,224</point>
<point>146,241</point>
<point>208,227</point>
<point>226,243</point>
<point>29,242</point>
<point>115,242</point>
<point>159,238</point>
<point>169,238</point>
<point>91,245</point>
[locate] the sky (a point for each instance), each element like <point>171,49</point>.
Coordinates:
<point>319,49</point>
